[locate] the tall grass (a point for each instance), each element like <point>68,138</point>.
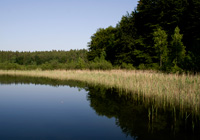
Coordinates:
<point>163,89</point>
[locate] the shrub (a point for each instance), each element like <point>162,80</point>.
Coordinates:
<point>127,66</point>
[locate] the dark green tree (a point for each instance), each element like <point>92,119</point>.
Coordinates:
<point>190,27</point>
<point>126,41</point>
<point>102,40</point>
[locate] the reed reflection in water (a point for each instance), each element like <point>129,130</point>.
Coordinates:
<point>100,116</point>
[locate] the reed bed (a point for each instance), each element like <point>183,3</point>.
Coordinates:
<point>165,89</point>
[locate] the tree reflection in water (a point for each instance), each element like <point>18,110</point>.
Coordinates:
<point>143,119</point>
<point>137,116</point>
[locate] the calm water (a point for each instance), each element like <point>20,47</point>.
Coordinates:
<point>32,108</point>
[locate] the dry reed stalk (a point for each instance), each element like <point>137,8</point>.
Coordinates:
<point>171,88</point>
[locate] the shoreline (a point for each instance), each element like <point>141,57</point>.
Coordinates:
<point>166,89</point>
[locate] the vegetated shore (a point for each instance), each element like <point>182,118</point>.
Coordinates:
<point>172,90</point>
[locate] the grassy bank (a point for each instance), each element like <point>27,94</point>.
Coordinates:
<point>165,89</point>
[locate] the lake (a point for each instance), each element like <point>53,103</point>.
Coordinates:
<point>47,109</point>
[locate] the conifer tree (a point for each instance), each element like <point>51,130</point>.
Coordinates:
<point>177,47</point>
<point>160,40</point>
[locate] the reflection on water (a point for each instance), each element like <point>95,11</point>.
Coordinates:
<point>47,112</point>
<point>143,120</point>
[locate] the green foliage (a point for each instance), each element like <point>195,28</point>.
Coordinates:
<point>102,40</point>
<point>125,41</point>
<point>160,40</point>
<point>142,67</point>
<point>137,40</point>
<point>177,48</point>
<point>51,60</point>
<point>100,63</point>
<point>127,66</point>
<point>176,69</point>
<point>42,57</point>
<point>81,64</point>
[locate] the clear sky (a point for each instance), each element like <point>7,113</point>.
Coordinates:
<point>39,25</point>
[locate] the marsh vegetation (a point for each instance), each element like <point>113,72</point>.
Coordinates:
<point>143,72</point>
<point>178,91</point>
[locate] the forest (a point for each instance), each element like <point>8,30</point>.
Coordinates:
<point>158,34</point>
<point>50,60</point>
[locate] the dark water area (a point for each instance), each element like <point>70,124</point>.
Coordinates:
<point>47,109</point>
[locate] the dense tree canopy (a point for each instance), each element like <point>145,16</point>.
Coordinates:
<point>158,34</point>
<point>132,41</point>
<point>73,59</point>
<point>102,40</point>
<point>41,57</point>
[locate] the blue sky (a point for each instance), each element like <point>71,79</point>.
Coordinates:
<point>39,25</point>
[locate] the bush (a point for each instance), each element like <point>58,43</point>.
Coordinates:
<point>127,66</point>
<point>141,67</point>
<point>100,65</point>
<point>176,69</point>
<point>80,64</point>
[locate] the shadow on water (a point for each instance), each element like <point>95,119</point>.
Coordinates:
<point>142,119</point>
<point>137,117</point>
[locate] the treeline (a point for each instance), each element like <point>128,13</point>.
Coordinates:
<point>73,59</point>
<point>9,79</point>
<point>158,34</point>
<point>41,57</point>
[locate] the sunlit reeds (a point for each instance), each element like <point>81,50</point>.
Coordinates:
<point>182,91</point>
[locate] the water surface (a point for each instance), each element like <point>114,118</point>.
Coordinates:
<point>39,108</point>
